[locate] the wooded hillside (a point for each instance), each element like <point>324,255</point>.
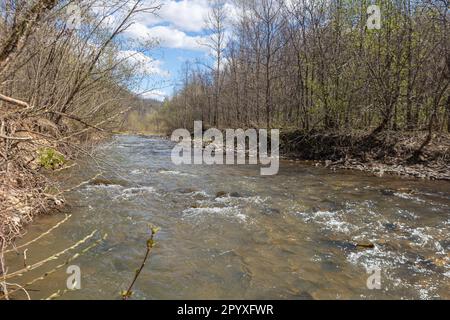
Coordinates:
<point>318,65</point>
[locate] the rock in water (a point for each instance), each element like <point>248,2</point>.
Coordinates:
<point>221,194</point>
<point>235,195</point>
<point>365,245</point>
<point>387,192</point>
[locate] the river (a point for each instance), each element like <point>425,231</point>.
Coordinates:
<point>289,236</point>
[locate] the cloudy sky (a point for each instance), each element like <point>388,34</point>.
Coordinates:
<point>180,30</point>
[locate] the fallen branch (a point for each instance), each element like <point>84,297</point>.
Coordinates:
<point>15,138</point>
<point>72,117</point>
<point>20,272</point>
<point>46,274</point>
<point>14,101</point>
<point>80,185</point>
<point>97,125</point>
<point>40,236</point>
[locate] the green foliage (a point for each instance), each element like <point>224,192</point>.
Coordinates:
<point>126,294</point>
<point>331,73</point>
<point>50,159</point>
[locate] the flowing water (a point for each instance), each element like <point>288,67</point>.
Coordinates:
<point>288,236</point>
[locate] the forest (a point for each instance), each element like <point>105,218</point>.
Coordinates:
<point>329,67</point>
<point>316,64</point>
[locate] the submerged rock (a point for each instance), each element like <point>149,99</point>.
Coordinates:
<point>387,192</point>
<point>365,245</point>
<point>108,182</point>
<point>327,205</point>
<point>407,191</point>
<point>199,206</point>
<point>338,243</point>
<point>271,211</point>
<point>120,265</point>
<point>330,266</point>
<point>186,190</point>
<point>390,226</point>
<point>221,194</point>
<point>440,262</point>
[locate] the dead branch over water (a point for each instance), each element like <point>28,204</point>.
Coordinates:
<point>5,285</point>
<point>16,248</point>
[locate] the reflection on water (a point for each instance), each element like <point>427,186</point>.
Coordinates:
<point>227,232</point>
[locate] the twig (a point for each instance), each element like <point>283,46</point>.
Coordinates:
<point>150,245</point>
<point>2,269</point>
<point>14,101</point>
<point>19,288</point>
<point>65,168</point>
<point>25,258</point>
<point>40,236</point>
<point>20,272</point>
<point>96,125</point>
<point>72,117</point>
<point>74,257</point>
<point>81,184</point>
<point>15,138</point>
<point>57,294</point>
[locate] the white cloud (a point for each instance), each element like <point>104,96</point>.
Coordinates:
<point>145,63</point>
<point>187,15</point>
<point>138,31</point>
<point>155,95</point>
<point>168,37</point>
<point>173,38</point>
<point>179,24</point>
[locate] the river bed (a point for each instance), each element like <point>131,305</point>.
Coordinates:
<point>229,233</point>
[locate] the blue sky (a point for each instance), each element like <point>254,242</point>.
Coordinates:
<point>171,63</point>
<point>180,31</point>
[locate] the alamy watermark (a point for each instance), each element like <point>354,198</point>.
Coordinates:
<point>374,280</point>
<point>374,18</point>
<point>74,16</point>
<point>239,147</point>
<point>74,280</point>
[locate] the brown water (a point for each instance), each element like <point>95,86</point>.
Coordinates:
<point>287,236</point>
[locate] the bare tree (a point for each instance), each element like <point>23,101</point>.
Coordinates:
<point>215,23</point>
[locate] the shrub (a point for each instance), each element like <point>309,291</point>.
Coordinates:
<point>50,159</point>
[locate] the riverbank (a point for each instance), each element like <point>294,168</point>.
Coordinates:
<point>27,186</point>
<point>387,153</point>
<point>25,192</point>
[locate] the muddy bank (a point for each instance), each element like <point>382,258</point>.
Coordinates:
<point>25,193</point>
<point>387,153</point>
<point>28,186</point>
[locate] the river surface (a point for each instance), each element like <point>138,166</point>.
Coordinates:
<point>289,236</point>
